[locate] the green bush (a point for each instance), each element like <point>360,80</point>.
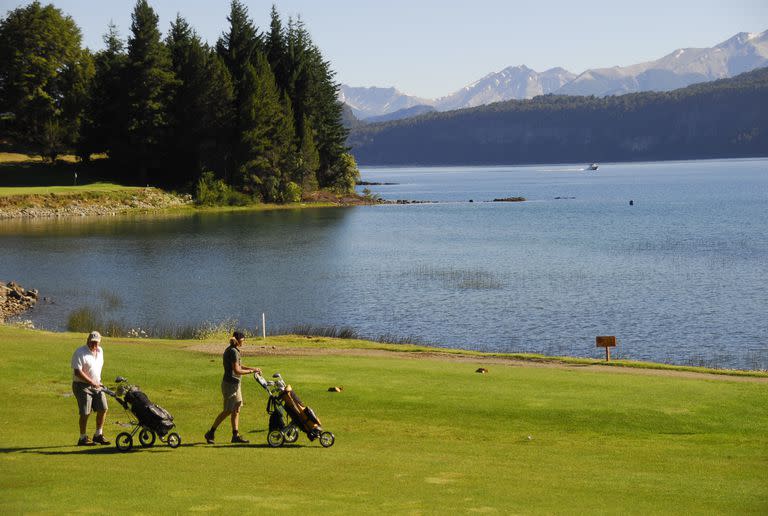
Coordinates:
<point>346,173</point>
<point>292,192</point>
<point>215,192</point>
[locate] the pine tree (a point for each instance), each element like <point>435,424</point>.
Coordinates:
<point>42,75</point>
<point>236,47</point>
<point>308,162</point>
<point>267,141</point>
<point>276,48</point>
<point>149,86</point>
<point>105,125</point>
<point>185,117</point>
<point>200,106</point>
<point>315,99</point>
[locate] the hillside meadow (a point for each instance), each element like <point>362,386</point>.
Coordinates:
<point>416,433</point>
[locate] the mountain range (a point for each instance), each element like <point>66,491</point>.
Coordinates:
<point>741,53</point>
<point>724,118</point>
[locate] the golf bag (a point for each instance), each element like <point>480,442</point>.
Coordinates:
<point>288,415</point>
<point>151,416</point>
<point>288,405</point>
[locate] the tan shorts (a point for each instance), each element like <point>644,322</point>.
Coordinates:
<point>233,397</point>
<point>89,398</point>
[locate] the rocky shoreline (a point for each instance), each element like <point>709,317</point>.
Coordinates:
<point>15,299</point>
<point>88,204</point>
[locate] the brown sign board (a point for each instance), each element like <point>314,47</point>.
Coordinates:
<point>606,341</point>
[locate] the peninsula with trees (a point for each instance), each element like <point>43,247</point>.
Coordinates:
<point>252,118</point>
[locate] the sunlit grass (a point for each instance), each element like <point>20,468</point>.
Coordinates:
<point>64,190</point>
<point>412,436</point>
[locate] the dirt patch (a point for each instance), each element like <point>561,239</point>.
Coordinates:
<point>277,351</point>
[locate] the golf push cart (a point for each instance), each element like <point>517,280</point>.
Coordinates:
<point>150,421</point>
<point>288,415</point>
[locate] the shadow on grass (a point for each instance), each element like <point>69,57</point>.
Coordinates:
<point>68,450</point>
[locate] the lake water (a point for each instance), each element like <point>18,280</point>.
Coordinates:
<point>681,276</point>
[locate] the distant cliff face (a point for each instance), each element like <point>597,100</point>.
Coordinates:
<point>714,119</point>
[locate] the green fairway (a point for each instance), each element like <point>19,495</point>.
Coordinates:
<point>412,436</point>
<point>46,190</point>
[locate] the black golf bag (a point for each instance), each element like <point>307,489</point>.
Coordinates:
<point>151,416</point>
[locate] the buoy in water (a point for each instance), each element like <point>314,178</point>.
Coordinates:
<point>631,203</point>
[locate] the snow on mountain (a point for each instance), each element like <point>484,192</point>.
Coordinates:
<point>514,82</point>
<point>373,101</point>
<point>741,53</point>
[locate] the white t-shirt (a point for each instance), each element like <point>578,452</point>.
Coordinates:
<point>88,362</point>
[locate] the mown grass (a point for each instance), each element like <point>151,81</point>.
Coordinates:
<point>413,436</point>
<point>22,175</point>
<point>65,190</point>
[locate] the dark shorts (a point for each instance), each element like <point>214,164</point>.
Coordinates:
<point>88,398</point>
<point>233,396</point>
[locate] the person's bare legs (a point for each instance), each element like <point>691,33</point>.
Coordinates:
<point>235,419</point>
<point>221,417</point>
<point>100,417</point>
<point>83,423</point>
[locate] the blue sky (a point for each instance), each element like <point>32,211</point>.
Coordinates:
<point>432,48</point>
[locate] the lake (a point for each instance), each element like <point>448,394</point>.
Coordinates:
<point>680,276</point>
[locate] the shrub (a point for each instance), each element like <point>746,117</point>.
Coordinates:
<point>215,192</point>
<point>346,174</point>
<point>292,192</point>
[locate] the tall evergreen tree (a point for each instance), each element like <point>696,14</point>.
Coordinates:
<point>219,116</point>
<point>43,75</point>
<point>200,106</point>
<point>315,99</point>
<point>236,47</point>
<point>149,86</point>
<point>268,137</point>
<point>276,48</point>
<point>308,160</point>
<point>105,125</point>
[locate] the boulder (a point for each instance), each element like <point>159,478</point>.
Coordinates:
<point>14,299</point>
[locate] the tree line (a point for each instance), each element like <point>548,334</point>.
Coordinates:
<point>256,112</point>
<point>723,118</point>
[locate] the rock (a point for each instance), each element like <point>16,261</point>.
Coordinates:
<point>510,199</point>
<point>14,299</point>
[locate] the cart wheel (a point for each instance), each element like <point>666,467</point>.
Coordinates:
<point>174,440</point>
<point>147,438</point>
<point>124,441</point>
<point>327,439</point>
<point>275,438</point>
<point>291,434</point>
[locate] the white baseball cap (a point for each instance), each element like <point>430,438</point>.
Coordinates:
<point>94,336</point>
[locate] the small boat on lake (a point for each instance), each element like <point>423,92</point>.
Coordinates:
<point>593,166</point>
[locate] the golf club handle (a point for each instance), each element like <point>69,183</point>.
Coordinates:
<point>106,390</point>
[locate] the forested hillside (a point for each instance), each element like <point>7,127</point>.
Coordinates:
<point>725,118</point>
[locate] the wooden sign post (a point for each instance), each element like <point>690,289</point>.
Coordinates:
<point>606,342</point>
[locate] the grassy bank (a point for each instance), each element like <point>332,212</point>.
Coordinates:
<point>412,436</point>
<point>31,187</point>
